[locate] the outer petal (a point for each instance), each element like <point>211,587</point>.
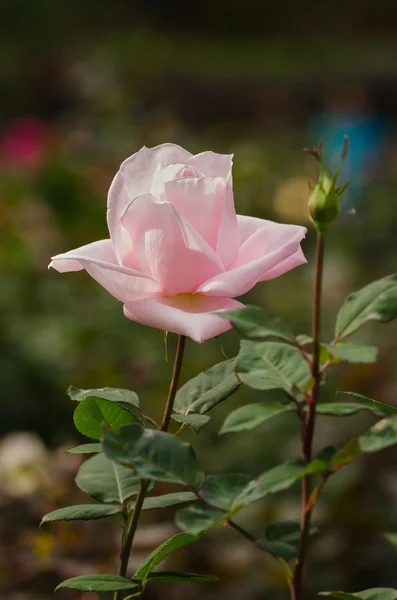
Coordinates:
<point>166,247</point>
<point>201,201</point>
<point>269,250</point>
<point>175,315</point>
<point>139,174</point>
<point>99,260</point>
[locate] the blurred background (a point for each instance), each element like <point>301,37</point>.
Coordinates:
<point>82,86</point>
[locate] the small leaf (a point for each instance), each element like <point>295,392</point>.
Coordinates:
<point>353,353</point>
<point>91,413</point>
<point>207,389</point>
<point>221,490</point>
<point>272,365</point>
<point>256,324</point>
<point>251,415</point>
<point>199,517</point>
<point>123,398</point>
<point>172,576</point>
<point>343,409</point>
<point>375,302</point>
<point>85,449</point>
<point>282,538</point>
<point>155,455</point>
<point>160,553</point>
<point>165,500</point>
<point>304,340</point>
<point>382,435</point>
<point>371,594</point>
<point>107,481</point>
<point>98,583</point>
<point>194,421</point>
<point>377,407</point>
<point>349,452</point>
<point>81,512</point>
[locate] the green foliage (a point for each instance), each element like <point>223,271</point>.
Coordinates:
<point>374,302</point>
<point>382,435</point>
<point>194,421</point>
<point>98,583</point>
<point>255,323</point>
<point>92,413</point>
<point>371,594</point>
<point>199,517</point>
<point>154,454</point>
<point>378,408</point>
<point>81,512</point>
<point>123,398</point>
<point>207,389</point>
<point>85,449</point>
<point>343,409</point>
<point>221,490</point>
<point>272,365</point>
<point>353,353</point>
<point>281,539</point>
<point>107,481</point>
<point>165,500</point>
<point>251,415</point>
<point>160,553</point>
<point>392,538</point>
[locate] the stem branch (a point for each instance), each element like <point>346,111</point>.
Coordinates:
<point>309,423</point>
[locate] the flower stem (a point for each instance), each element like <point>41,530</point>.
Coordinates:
<point>308,424</point>
<point>133,518</point>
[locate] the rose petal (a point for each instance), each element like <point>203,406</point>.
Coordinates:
<point>270,250</point>
<point>99,260</point>
<point>139,174</point>
<point>166,247</point>
<point>175,315</point>
<point>212,164</point>
<point>201,201</point>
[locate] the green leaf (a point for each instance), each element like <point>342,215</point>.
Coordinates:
<point>343,409</point>
<point>251,415</point>
<point>107,481</point>
<point>371,594</point>
<point>378,408</point>
<point>382,435</point>
<point>165,500</point>
<point>277,479</point>
<point>343,457</point>
<point>282,538</point>
<point>85,449</point>
<point>353,353</point>
<point>160,553</point>
<point>272,365</point>
<point>256,324</point>
<point>98,583</point>
<point>91,413</point>
<point>123,398</point>
<point>155,455</point>
<point>194,421</point>
<point>199,517</point>
<point>81,512</point>
<point>221,490</point>
<point>304,339</point>
<point>375,302</point>
<point>172,576</point>
<point>121,446</point>
<point>207,389</point>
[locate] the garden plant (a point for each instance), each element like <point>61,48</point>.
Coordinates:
<point>177,257</point>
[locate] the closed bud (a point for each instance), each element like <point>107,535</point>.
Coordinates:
<point>324,198</point>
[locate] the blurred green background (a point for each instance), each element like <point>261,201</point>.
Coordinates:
<point>82,86</point>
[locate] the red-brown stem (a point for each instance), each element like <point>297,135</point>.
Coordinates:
<point>309,424</point>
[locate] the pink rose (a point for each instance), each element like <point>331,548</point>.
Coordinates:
<point>177,252</point>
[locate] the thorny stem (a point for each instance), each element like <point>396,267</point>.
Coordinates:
<point>309,423</point>
<point>133,519</point>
